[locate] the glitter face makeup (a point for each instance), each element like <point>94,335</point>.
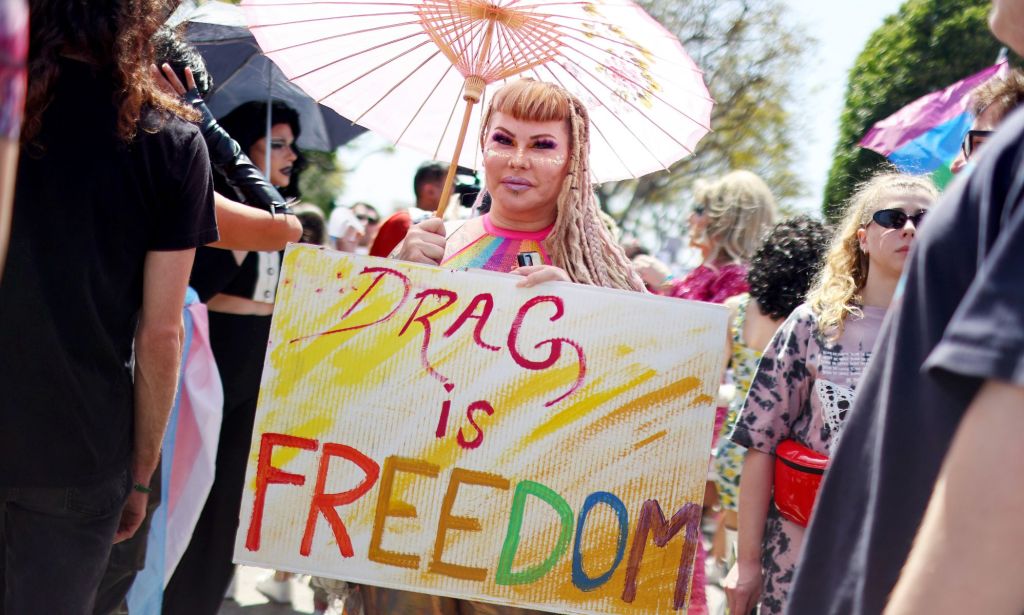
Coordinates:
<point>525,165</point>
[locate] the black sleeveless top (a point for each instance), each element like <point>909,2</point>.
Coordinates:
<point>216,271</point>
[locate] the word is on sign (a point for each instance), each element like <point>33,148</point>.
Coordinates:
<point>449,433</point>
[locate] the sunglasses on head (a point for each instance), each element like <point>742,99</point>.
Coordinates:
<point>897,218</point>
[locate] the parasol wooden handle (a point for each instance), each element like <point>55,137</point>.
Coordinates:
<point>474,90</point>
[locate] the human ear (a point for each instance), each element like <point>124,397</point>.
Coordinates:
<point>862,240</point>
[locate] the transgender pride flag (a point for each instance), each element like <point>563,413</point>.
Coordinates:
<point>188,460</point>
<point>925,136</point>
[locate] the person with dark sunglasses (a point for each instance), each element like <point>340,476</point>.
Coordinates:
<point>367,215</point>
<point>920,511</point>
<point>897,218</point>
<point>990,103</point>
<point>806,381</point>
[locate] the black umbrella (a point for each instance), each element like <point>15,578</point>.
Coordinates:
<point>241,73</point>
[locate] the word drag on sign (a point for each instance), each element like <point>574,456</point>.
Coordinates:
<point>449,433</point>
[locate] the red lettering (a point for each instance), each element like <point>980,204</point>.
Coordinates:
<point>266,474</point>
<point>555,343</point>
<point>485,300</point>
<point>513,334</point>
<point>382,272</point>
<point>442,425</point>
<point>479,437</point>
<point>449,298</point>
<point>326,504</point>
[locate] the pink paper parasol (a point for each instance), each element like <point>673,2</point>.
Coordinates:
<point>403,69</point>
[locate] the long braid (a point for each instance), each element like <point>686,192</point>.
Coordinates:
<point>579,241</point>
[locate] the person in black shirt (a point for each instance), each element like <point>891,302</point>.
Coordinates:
<point>921,509</point>
<point>264,222</point>
<point>113,194</point>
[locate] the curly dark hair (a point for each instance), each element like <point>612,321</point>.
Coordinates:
<point>783,267</point>
<point>247,124</point>
<point>114,36</point>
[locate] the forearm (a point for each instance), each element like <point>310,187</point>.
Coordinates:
<point>8,171</point>
<point>157,359</point>
<point>247,228</point>
<point>755,497</point>
<point>967,557</point>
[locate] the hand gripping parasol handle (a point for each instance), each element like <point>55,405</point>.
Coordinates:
<point>474,90</point>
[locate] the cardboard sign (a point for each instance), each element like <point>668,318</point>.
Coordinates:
<point>449,433</point>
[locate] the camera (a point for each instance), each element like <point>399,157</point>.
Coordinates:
<point>467,186</point>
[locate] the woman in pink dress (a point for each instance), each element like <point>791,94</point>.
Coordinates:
<point>728,221</point>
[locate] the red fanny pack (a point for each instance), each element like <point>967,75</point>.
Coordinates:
<point>798,473</point>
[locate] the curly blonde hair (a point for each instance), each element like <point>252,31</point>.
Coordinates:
<point>579,242</point>
<point>835,294</point>
<point>740,208</point>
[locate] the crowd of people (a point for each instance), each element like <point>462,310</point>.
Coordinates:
<point>873,380</point>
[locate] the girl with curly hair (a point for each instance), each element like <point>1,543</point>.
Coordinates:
<point>781,272</point>
<point>808,375</point>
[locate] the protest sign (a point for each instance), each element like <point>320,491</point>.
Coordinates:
<point>449,433</point>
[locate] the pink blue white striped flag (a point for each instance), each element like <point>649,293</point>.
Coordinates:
<point>188,460</point>
<point>925,136</point>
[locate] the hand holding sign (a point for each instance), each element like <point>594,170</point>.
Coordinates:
<point>537,274</point>
<point>424,243</point>
<point>455,434</point>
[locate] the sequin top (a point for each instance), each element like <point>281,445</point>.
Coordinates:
<point>492,248</point>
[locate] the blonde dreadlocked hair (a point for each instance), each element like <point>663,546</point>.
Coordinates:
<point>579,242</point>
<point>835,294</point>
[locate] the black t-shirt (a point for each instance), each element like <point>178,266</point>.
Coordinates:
<point>86,212</point>
<point>958,322</point>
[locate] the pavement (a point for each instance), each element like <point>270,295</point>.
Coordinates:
<point>249,601</point>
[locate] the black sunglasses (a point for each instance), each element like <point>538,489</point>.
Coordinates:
<point>897,218</point>
<point>698,210</point>
<point>367,219</point>
<point>973,140</point>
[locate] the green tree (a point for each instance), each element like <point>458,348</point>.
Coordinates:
<point>747,50</point>
<point>926,46</point>
<point>323,179</point>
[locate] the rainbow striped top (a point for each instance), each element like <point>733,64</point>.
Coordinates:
<point>496,249</point>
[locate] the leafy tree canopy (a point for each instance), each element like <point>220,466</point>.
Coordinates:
<point>926,46</point>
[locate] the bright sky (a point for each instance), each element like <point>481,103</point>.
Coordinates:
<point>385,179</point>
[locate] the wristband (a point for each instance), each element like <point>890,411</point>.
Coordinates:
<point>141,488</point>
